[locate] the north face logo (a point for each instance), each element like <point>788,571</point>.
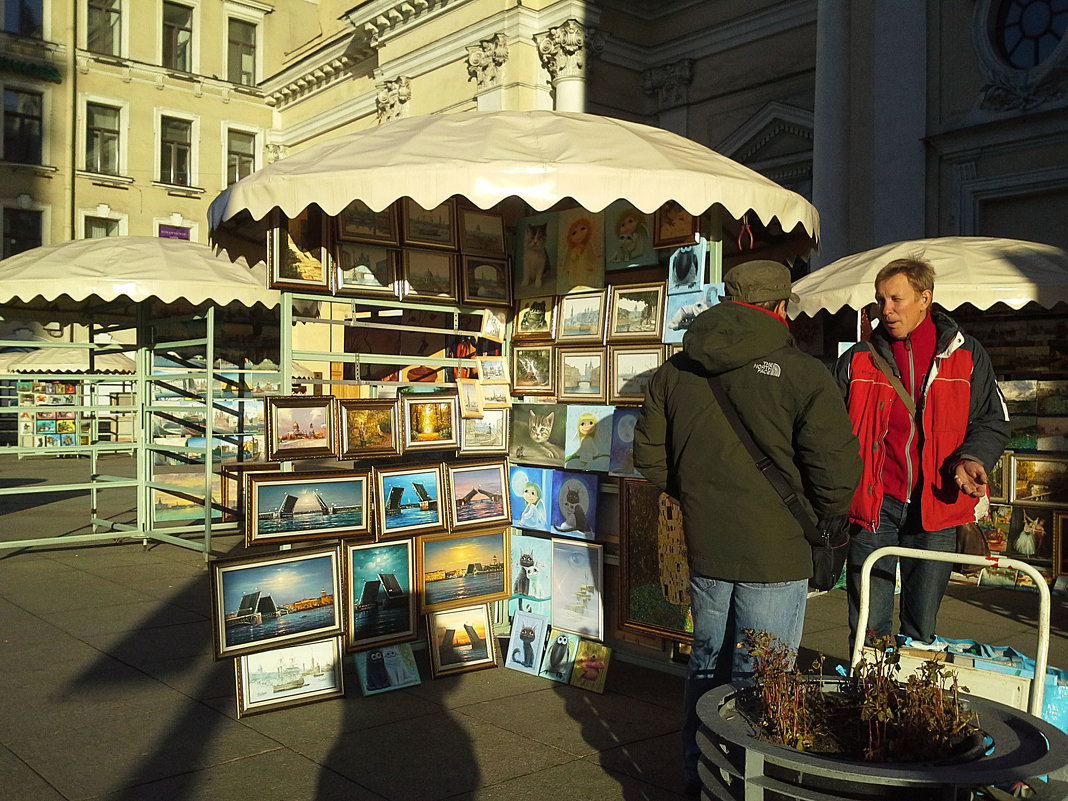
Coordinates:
<point>768,368</point>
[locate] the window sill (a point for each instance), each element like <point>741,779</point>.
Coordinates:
<point>34,169</point>
<point>180,191</point>
<point>104,179</point>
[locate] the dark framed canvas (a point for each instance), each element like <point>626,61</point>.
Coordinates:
<point>1052,396</point>
<point>581,318</point>
<point>268,601</point>
<point>390,667</point>
<point>461,640</point>
<point>307,505</point>
<point>577,605</point>
<point>535,319</point>
<point>298,254</point>
<point>434,228</point>
<point>379,581</point>
<point>358,223</point>
<point>629,369</point>
<point>673,225</point>
<point>649,562</point>
<point>1038,480</point>
<point>580,374</point>
<point>484,435</point>
<point>367,427</point>
<point>486,282</point>
<point>1029,534</point>
<point>364,269</point>
<point>477,494</point>
<point>408,500</point>
<point>997,488</point>
<point>636,312</point>
<point>430,421</point>
<point>430,275</point>
<point>300,427</point>
<point>459,568</point>
<point>289,676</point>
<point>532,369</point>
<point>481,232</point>
<point>1060,547</point>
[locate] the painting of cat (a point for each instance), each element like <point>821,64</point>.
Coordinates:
<point>537,434</point>
<point>535,256</point>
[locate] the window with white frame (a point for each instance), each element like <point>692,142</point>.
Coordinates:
<point>100,227</point>
<point>178,37</point>
<point>241,52</point>
<point>22,112</point>
<point>175,151</point>
<point>22,230</point>
<point>104,27</point>
<point>102,138</point>
<point>240,155</point>
<point>23,17</point>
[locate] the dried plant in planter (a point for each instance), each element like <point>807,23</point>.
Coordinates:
<point>872,716</point>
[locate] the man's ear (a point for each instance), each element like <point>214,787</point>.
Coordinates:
<point>780,309</point>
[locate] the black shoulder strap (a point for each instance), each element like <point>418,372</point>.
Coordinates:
<point>895,382</point>
<point>763,463</point>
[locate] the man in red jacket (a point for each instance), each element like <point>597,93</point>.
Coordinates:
<point>923,471</point>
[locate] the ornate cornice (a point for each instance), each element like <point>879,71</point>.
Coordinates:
<point>379,19</point>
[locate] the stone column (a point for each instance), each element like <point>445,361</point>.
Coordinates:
<point>392,97</point>
<point>485,66</point>
<point>830,143</point>
<point>563,54</point>
<point>670,85</point>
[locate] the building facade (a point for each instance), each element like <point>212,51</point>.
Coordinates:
<point>898,119</point>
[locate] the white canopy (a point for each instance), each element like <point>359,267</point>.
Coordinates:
<point>978,270</point>
<point>538,156</point>
<point>134,267</point>
<point>66,360</point>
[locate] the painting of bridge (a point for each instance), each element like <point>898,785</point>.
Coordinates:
<point>477,494</point>
<point>306,505</point>
<point>409,500</point>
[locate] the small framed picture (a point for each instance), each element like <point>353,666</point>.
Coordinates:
<point>496,396</point>
<point>532,369</point>
<point>1060,547</point>
<point>357,223</point>
<point>996,487</point>
<point>469,392</point>
<point>434,228</point>
<point>389,668</point>
<point>580,374</point>
<point>429,275</point>
<point>1038,480</point>
<point>636,311</point>
<point>460,568</point>
<point>430,421</point>
<point>296,506</point>
<point>408,500</point>
<point>299,427</point>
<point>366,427</point>
<point>526,642</point>
<point>265,602</point>
<point>535,318</point>
<point>573,504</point>
<point>298,255</point>
<point>673,225</point>
<point>581,318</point>
<point>629,369</point>
<point>591,666</point>
<point>364,269</point>
<point>559,659</point>
<point>379,582</point>
<point>487,282</point>
<point>476,494</point>
<point>577,605</point>
<point>481,232</point>
<point>461,640</point>
<point>492,369</point>
<point>486,434</point>
<point>289,676</point>
<point>494,322</point>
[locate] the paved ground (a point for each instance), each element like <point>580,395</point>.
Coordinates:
<point>110,691</point>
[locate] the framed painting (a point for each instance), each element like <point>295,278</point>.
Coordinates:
<point>1060,548</point>
<point>653,574</point>
<point>573,504</point>
<point>358,223</point>
<point>673,225</point>
<point>309,505</point>
<point>429,275</point>
<point>1052,434</point>
<point>379,580</point>
<point>492,369</point>
<point>486,282</point>
<point>580,374</point>
<point>408,500</point>
<point>531,563</point>
<point>996,487</point>
<point>389,668</point>
<point>535,319</point>
<point>496,397</point>
<point>1052,397</point>
<point>629,369</point>
<point>687,268</point>
<point>559,658</point>
<point>366,427</point>
<point>628,237</point>
<point>477,494</point>
<point>430,421</point>
<point>580,249</point>
<point>621,458</point>
<point>535,255</point>
<point>537,434</point>
<point>577,606</point>
<point>589,437</point>
<point>290,676</point>
<point>591,666</point>
<point>532,369</point>
<point>461,568</point>
<point>494,322</point>
<point>299,427</point>
<point>265,602</point>
<point>1029,534</point>
<point>481,232</point>
<point>469,394</point>
<point>682,309</point>
<point>233,486</point>
<point>1038,480</point>
<point>461,640</point>
<point>530,493</point>
<point>636,311</point>
<point>1021,396</point>
<point>298,255</point>
<point>484,435</point>
<point>363,269</point>
<point>581,318</point>
<point>526,642</point>
<point>433,228</point>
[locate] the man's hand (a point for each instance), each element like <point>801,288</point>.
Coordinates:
<point>971,478</point>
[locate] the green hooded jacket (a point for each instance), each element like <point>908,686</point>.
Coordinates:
<point>737,528</point>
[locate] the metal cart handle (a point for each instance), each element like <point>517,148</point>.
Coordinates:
<point>1038,684</point>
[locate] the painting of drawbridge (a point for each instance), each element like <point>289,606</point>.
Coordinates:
<point>306,505</point>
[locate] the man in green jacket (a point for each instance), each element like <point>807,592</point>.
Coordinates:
<point>748,557</point>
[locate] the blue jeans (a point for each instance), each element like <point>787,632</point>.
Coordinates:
<point>923,583</point>
<point>722,611</point>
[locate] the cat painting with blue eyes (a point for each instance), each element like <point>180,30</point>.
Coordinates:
<point>537,434</point>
